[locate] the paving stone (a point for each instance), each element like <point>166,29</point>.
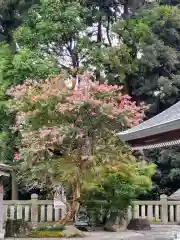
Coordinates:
<point>158,232</point>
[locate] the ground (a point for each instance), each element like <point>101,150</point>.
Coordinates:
<point>167,232</point>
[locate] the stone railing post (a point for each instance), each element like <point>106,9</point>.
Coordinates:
<point>34,210</point>
<point>164,209</point>
<point>2,231</point>
<point>14,186</point>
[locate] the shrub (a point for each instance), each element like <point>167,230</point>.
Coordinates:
<point>16,228</point>
<point>51,228</point>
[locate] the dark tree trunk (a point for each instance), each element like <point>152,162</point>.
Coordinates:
<point>99,40</point>
<point>107,31</point>
<point>125,14</point>
<point>75,59</point>
<point>99,33</point>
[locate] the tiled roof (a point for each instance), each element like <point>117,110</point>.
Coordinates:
<point>175,196</point>
<point>5,167</point>
<point>166,121</point>
<point>156,145</point>
<point>5,170</point>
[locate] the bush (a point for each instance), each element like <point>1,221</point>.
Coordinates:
<point>45,234</point>
<point>51,228</point>
<point>16,228</point>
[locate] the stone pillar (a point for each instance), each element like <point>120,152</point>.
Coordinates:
<point>2,231</point>
<point>164,209</point>
<point>14,186</point>
<point>34,210</point>
<point>60,199</point>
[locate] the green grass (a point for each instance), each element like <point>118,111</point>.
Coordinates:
<point>45,234</point>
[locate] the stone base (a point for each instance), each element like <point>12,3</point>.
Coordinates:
<point>72,232</point>
<point>139,224</point>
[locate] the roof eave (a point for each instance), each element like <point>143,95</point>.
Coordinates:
<point>154,130</point>
<point>6,168</point>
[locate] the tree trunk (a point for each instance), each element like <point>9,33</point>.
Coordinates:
<point>75,59</point>
<point>74,206</point>
<point>71,212</point>
<point>99,40</point>
<point>125,14</point>
<point>107,31</point>
<point>99,33</point>
<point>14,186</point>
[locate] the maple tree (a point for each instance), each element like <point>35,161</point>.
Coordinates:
<point>68,131</point>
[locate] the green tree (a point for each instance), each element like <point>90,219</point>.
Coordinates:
<point>152,38</point>
<point>14,69</point>
<point>116,191</point>
<point>152,35</point>
<point>12,14</point>
<point>56,27</point>
<point>166,179</point>
<point>74,32</point>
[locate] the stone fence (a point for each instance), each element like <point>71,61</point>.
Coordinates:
<point>34,210</point>
<point>162,211</point>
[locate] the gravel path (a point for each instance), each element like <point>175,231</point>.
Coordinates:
<point>167,232</point>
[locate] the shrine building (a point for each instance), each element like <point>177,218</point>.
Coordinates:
<point>160,131</point>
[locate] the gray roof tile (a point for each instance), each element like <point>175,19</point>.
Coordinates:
<point>166,121</point>
<point>175,195</point>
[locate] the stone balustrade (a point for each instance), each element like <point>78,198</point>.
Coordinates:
<point>162,211</point>
<point>34,210</point>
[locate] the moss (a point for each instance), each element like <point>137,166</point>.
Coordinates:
<point>45,234</point>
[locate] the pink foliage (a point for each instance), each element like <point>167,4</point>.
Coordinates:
<point>17,156</point>
<point>103,88</point>
<point>73,111</point>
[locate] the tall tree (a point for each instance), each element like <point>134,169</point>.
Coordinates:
<point>12,13</point>
<point>167,176</point>
<point>74,32</point>
<point>15,68</point>
<point>58,28</point>
<point>153,37</point>
<point>70,130</point>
